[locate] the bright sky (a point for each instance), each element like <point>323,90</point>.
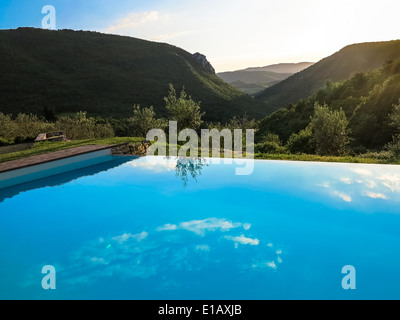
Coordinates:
<point>233,34</point>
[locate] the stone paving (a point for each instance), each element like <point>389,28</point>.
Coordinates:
<point>57,155</point>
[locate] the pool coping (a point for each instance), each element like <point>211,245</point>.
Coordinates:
<point>52,156</point>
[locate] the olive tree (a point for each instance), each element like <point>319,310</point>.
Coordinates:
<point>143,120</point>
<point>183,109</point>
<point>330,130</point>
<point>7,126</point>
<point>83,127</point>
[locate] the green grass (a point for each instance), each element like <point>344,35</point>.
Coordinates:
<point>316,158</point>
<point>312,158</point>
<point>47,147</point>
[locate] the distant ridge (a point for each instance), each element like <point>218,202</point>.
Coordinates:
<point>283,67</point>
<point>254,80</point>
<point>340,66</point>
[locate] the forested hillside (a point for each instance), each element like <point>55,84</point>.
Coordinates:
<point>367,100</point>
<point>70,71</point>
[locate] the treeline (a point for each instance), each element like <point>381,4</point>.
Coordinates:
<point>26,127</point>
<point>358,117</point>
<point>185,111</point>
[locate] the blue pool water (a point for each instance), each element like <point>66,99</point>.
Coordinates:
<point>152,228</point>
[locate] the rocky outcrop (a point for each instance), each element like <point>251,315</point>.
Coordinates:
<point>135,149</point>
<point>202,60</point>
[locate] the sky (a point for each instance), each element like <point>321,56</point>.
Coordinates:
<point>233,34</point>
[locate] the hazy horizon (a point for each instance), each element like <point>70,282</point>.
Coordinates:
<point>232,34</point>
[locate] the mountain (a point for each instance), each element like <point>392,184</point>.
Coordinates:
<point>69,71</point>
<point>254,80</point>
<point>340,66</point>
<point>367,100</point>
<point>284,67</point>
<point>250,88</point>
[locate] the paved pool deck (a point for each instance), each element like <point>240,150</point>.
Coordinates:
<point>48,157</point>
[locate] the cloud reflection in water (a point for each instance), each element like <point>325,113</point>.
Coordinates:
<point>376,183</point>
<point>153,253</point>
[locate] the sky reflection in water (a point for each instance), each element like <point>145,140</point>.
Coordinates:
<point>152,229</point>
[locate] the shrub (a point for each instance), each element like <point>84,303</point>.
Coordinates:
<point>7,126</point>
<point>358,150</point>
<point>26,127</point>
<point>301,142</point>
<point>271,144</point>
<point>381,155</point>
<point>143,120</point>
<point>82,127</point>
<point>5,142</point>
<point>270,147</point>
<point>394,147</point>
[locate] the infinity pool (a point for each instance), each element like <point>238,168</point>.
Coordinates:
<point>153,228</point>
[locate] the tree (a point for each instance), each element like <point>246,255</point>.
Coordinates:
<point>83,127</point>
<point>28,126</point>
<point>143,120</point>
<point>49,114</point>
<point>243,122</point>
<point>301,142</point>
<point>394,121</point>
<point>394,118</point>
<point>7,126</point>
<point>183,109</point>
<point>330,130</point>
<point>394,147</point>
